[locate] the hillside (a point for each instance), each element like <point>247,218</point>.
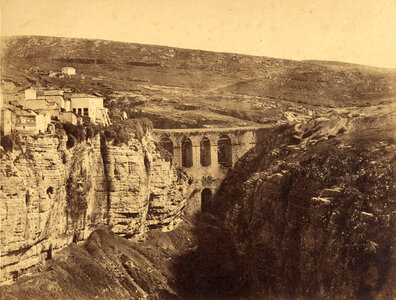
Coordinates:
<point>180,87</point>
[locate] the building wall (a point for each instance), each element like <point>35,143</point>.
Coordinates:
<point>53,92</point>
<point>53,113</point>
<point>67,105</point>
<point>6,121</point>
<point>39,104</point>
<point>30,93</point>
<point>26,123</point>
<point>42,122</point>
<point>68,71</point>
<point>90,103</point>
<point>54,99</point>
<point>68,117</point>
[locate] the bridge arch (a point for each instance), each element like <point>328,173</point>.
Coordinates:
<point>187,152</point>
<point>224,151</point>
<point>206,200</point>
<point>167,144</point>
<point>205,152</point>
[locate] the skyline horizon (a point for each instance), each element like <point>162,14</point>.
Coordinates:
<point>206,50</point>
<point>359,32</point>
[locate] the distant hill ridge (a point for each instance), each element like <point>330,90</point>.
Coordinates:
<point>109,65</point>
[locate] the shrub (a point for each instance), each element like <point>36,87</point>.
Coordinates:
<point>78,131</point>
<point>124,130</point>
<point>90,132</point>
<point>341,130</point>
<point>122,137</point>
<point>7,142</point>
<point>71,141</point>
<point>110,134</point>
<point>138,126</point>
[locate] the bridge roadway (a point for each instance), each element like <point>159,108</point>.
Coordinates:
<point>206,154</point>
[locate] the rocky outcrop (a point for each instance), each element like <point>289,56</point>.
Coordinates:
<point>52,196</point>
<point>144,189</point>
<point>107,266</point>
<point>316,222</point>
<point>304,215</point>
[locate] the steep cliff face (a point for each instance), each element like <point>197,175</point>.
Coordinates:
<point>316,221</point>
<point>53,196</point>
<point>308,214</point>
<point>145,190</point>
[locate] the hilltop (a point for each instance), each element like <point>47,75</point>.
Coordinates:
<point>181,87</point>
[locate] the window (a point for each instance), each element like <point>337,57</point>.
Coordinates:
<point>74,110</point>
<point>85,111</point>
<point>79,111</point>
<point>167,144</point>
<point>205,152</point>
<point>187,155</point>
<point>224,151</point>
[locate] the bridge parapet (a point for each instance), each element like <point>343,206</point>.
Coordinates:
<point>206,155</point>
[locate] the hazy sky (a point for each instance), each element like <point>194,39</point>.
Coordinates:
<point>360,31</point>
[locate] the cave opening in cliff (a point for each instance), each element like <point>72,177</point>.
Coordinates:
<point>224,151</point>
<point>187,153</point>
<point>27,198</point>
<point>205,152</point>
<point>167,144</point>
<point>50,191</point>
<point>206,200</point>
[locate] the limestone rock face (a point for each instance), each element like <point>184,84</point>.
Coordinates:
<point>318,222</point>
<point>145,190</point>
<point>52,196</point>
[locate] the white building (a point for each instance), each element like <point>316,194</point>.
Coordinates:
<point>90,106</point>
<point>31,93</point>
<point>68,71</point>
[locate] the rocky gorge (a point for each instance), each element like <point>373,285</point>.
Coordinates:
<point>53,196</point>
<point>309,218</point>
<point>309,213</point>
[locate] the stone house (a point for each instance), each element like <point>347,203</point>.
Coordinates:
<point>28,121</point>
<point>68,71</point>
<point>43,101</point>
<point>90,106</point>
<point>66,107</point>
<point>23,120</point>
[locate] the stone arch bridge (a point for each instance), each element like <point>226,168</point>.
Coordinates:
<point>206,154</point>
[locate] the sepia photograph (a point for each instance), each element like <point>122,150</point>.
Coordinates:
<point>198,149</point>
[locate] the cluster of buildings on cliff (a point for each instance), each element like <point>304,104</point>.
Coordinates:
<point>33,110</point>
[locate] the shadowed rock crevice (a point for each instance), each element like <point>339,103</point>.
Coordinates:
<point>285,224</point>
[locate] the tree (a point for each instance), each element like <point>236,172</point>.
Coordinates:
<point>7,142</point>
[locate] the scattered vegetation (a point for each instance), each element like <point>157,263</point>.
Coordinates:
<point>164,153</point>
<point>71,141</point>
<point>7,142</point>
<point>78,131</point>
<point>77,188</point>
<point>124,131</point>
